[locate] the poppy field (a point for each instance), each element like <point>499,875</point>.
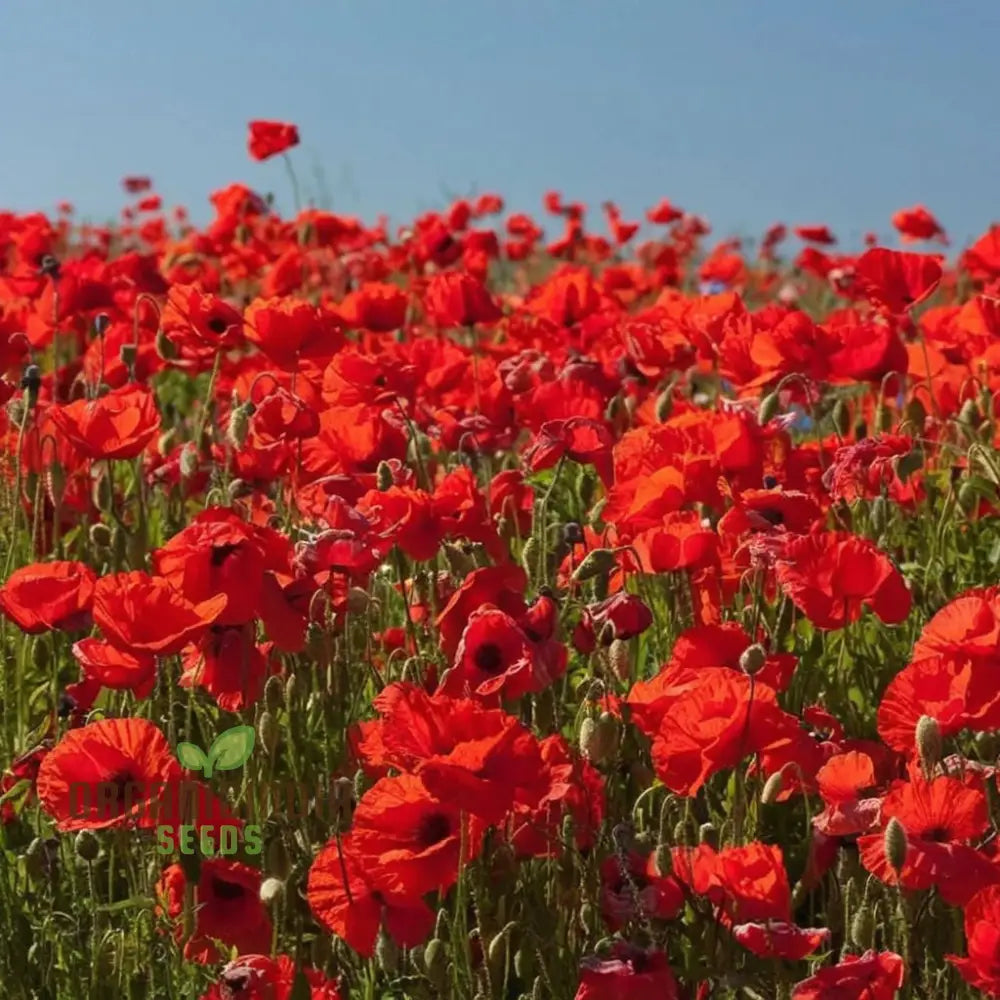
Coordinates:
<point>496,606</point>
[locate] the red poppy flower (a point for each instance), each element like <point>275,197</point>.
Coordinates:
<point>116,669</point>
<point>375,306</point>
<point>203,321</point>
<point>268,138</point>
<point>981,968</point>
<point>873,975</point>
<point>940,818</point>
<point>44,596</point>
<point>227,908</point>
<point>628,972</point>
<point>344,900</point>
<point>107,774</point>
<point>776,939</point>
<point>288,331</point>
<point>632,889</point>
<point>832,575</point>
<point>896,280</point>
<point>260,977</point>
<point>117,425</point>
<point>621,616</point>
<point>229,665</point>
<point>502,586</point>
<point>815,234</point>
<point>917,223</point>
<point>457,299</point>
<point>141,613</point>
<point>862,470</point>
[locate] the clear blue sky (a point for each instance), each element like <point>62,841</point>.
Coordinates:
<point>747,112</point>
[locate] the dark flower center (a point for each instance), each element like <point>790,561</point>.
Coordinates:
<point>433,828</point>
<point>938,834</point>
<point>217,325</point>
<point>771,515</point>
<point>222,889</point>
<point>220,553</point>
<point>489,658</point>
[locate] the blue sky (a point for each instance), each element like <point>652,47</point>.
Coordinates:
<point>748,113</point>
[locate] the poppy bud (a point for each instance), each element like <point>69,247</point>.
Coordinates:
<point>87,846</point>
<point>589,741</point>
<point>267,730</point>
<point>188,461</point>
<point>572,533</point>
<point>165,347</point>
<point>442,926</point>
<point>664,405</point>
<point>597,562</point>
<point>271,890</point>
<point>895,845</point>
<point>878,514</point>
<point>496,954</point>
<point>360,784</point>
<point>239,424</point>
<point>662,861</point>
<point>321,950</point>
<point>436,962</point>
<point>863,927</point>
<point>768,410</point>
<point>584,486</point>
<point>358,600</point>
<point>708,834</point>
<point>40,655</point>
<point>916,414</point>
<point>383,476</point>
<point>543,712</point>
<point>16,411</point>
<point>928,739</point>
<point>772,788</point>
<point>680,832</point>
<point>238,489</point>
<point>538,989</point>
<point>101,323</point>
<point>641,775</point>
<point>274,693</point>
<point>752,659</point>
<point>619,660</point>
<point>386,952</point>
<point>524,962</point>
<point>49,266</point>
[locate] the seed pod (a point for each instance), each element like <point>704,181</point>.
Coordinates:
<point>752,659</point>
<point>928,738</point>
<point>87,846</point>
<point>597,562</point>
<point>896,845</point>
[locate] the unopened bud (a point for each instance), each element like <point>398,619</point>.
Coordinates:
<point>386,952</point>
<point>188,461</point>
<point>768,410</point>
<point>863,927</point>
<point>100,536</point>
<point>459,561</point>
<point>895,845</point>
<point>277,861</point>
<point>238,489</point>
<point>267,730</point>
<point>772,788</point>
<point>239,424</point>
<point>436,961</point>
<point>274,693</point>
<point>529,557</point>
<point>664,405</point>
<point>128,353</point>
<point>752,659</point>
<point>165,347</point>
<point>708,834</point>
<point>383,476</point>
<point>87,846</point>
<point>928,738</point>
<point>841,416</point>
<point>597,562</point>
<point>619,660</point>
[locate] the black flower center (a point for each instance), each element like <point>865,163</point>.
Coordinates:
<point>433,828</point>
<point>222,889</point>
<point>489,658</point>
<point>220,553</point>
<point>217,325</point>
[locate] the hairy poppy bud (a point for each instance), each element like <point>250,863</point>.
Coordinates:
<point>597,562</point>
<point>188,461</point>
<point>589,741</point>
<point>969,414</point>
<point>271,890</point>
<point>863,927</point>
<point>386,952</point>
<point>524,962</point>
<point>895,845</point>
<point>928,738</point>
<point>17,410</point>
<point>239,424</point>
<point>772,788</point>
<point>436,962</point>
<point>752,659</point>
<point>708,834</point>
<point>361,784</point>
<point>459,561</point>
<point>619,660</point>
<point>237,489</point>
<point>769,406</point>
<point>267,730</point>
<point>274,693</point>
<point>40,655</point>
<point>100,535</point>
<point>87,846</point>
<point>529,557</point>
<point>841,416</point>
<point>442,925</point>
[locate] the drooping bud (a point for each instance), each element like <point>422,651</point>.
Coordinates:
<point>165,347</point>
<point>127,353</point>
<point>459,561</point>
<point>752,659</point>
<point>277,862</point>
<point>239,424</point>
<point>267,730</point>
<point>436,962</point>
<point>664,405</point>
<point>100,536</point>
<point>386,952</point>
<point>188,461</point>
<point>619,660</point>
<point>896,845</point>
<point>597,562</point>
<point>529,557</point>
<point>772,788</point>
<point>237,489</point>
<point>768,410</point>
<point>708,834</point>
<point>383,476</point>
<point>863,927</point>
<point>274,693</point>
<point>841,416</point>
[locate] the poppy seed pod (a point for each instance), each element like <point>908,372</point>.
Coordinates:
<point>896,845</point>
<point>928,739</point>
<point>752,659</point>
<point>87,846</point>
<point>271,891</point>
<point>597,562</point>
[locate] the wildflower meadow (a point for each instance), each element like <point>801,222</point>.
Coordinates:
<point>496,606</point>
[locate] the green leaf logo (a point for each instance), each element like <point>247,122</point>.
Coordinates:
<point>228,751</point>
